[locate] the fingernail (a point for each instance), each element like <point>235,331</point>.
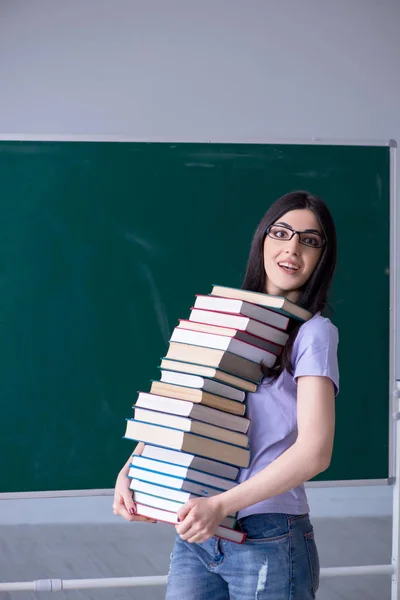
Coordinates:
<point>179,520</point>
<point>132,511</point>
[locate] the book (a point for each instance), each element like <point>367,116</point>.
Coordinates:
<point>241,323</point>
<point>165,492</point>
<point>170,517</point>
<point>279,303</point>
<point>225,361</point>
<point>181,472</point>
<point>203,383</point>
<point>236,334</point>
<point>187,442</point>
<point>198,412</point>
<point>223,342</point>
<point>191,461</point>
<point>173,482</point>
<point>242,308</point>
<point>187,424</point>
<point>179,392</point>
<point>210,372</point>
<point>172,506</point>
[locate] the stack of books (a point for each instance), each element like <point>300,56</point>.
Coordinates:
<point>193,420</point>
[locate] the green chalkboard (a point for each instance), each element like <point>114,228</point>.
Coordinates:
<point>103,246</point>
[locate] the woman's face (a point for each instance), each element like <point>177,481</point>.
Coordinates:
<point>288,263</point>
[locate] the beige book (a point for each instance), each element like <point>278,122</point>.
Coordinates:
<point>226,361</point>
<point>199,396</point>
<point>198,412</point>
<point>211,372</point>
<point>187,442</point>
<point>188,424</point>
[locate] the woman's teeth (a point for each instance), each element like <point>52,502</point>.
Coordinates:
<point>288,267</point>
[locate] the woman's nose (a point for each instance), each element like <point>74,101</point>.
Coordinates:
<point>294,244</point>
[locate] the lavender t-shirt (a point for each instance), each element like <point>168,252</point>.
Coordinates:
<point>273,410</point>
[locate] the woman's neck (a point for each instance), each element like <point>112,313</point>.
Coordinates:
<point>292,295</point>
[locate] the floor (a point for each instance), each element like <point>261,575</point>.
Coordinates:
<point>32,552</point>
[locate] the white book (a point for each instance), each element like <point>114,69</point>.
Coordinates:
<point>199,412</point>
<point>172,506</point>
<point>188,424</point>
<point>275,303</point>
<point>203,383</point>
<point>235,306</point>
<point>190,460</point>
<point>240,322</point>
<point>172,482</point>
<point>142,462</point>
<point>171,517</point>
<point>164,492</point>
<point>157,502</point>
<point>222,342</point>
<point>210,372</point>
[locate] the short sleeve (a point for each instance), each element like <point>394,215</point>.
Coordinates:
<point>316,351</point>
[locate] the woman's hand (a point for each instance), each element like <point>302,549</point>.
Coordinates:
<point>199,519</point>
<point>124,505</point>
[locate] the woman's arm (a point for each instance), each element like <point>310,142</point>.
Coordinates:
<point>124,505</point>
<point>138,450</point>
<point>309,455</point>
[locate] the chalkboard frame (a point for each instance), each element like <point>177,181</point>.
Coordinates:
<point>394,333</point>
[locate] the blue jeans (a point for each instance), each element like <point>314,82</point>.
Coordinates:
<point>278,561</point>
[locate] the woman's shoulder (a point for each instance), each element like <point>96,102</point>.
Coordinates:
<point>318,332</point>
<point>315,350</point>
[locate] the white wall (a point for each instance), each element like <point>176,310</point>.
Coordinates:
<point>212,69</point>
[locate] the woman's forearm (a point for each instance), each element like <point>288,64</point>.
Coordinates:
<point>295,466</point>
<point>138,450</point>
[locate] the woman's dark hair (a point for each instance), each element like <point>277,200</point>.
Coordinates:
<point>314,293</point>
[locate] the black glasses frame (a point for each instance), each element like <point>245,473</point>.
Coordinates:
<point>268,230</point>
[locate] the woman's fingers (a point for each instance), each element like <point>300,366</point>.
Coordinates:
<point>140,518</point>
<point>128,513</point>
<point>129,502</point>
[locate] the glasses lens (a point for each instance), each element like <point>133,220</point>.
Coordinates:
<point>314,240</point>
<point>278,232</point>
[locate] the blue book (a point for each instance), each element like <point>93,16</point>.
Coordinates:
<point>172,506</point>
<point>177,483</point>
<point>181,472</point>
<point>176,457</point>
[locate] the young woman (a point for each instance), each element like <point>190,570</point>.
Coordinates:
<point>293,254</point>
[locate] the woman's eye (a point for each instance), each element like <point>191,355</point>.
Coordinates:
<point>310,241</point>
<point>280,233</point>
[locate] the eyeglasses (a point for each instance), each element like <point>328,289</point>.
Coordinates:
<point>311,239</point>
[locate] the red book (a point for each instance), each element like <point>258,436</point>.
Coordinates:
<point>170,517</point>
<point>232,333</point>
<point>223,342</point>
<point>238,321</point>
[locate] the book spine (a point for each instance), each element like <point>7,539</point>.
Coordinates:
<point>212,467</point>
<point>193,475</point>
